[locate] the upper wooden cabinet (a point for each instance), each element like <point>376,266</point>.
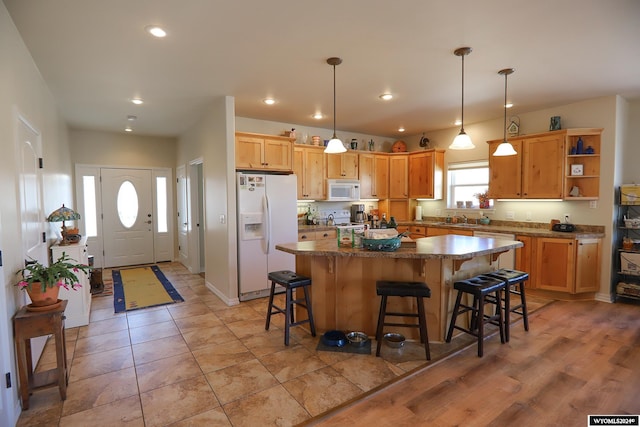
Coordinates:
<point>373,172</point>
<point>398,176</point>
<point>309,167</point>
<point>539,166</point>
<point>544,167</point>
<point>426,174</point>
<point>343,165</point>
<point>264,152</point>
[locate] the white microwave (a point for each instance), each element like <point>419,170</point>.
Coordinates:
<point>343,189</point>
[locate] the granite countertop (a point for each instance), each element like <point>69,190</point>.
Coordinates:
<point>437,247</point>
<point>508,227</point>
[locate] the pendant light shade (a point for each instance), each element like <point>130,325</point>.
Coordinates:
<point>334,146</point>
<point>505,148</point>
<point>462,141</point>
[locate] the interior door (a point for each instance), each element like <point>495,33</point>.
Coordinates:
<point>183,215</point>
<point>30,181</point>
<point>31,212</point>
<point>128,217</point>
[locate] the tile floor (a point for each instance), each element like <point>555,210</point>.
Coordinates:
<point>203,363</point>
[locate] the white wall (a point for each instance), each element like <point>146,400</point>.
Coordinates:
<point>22,89</point>
<point>304,133</point>
<point>94,147</point>
<point>212,139</point>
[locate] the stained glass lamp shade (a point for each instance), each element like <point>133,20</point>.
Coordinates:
<point>61,215</point>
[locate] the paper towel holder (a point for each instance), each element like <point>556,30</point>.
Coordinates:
<point>418,213</point>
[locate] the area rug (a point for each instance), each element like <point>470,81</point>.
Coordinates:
<point>142,287</point>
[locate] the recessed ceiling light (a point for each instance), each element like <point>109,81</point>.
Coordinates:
<point>386,96</point>
<point>131,118</point>
<point>458,122</point>
<point>317,116</point>
<point>156,31</point>
<point>269,101</point>
<point>137,101</point>
<point>128,129</point>
<point>508,105</point>
<point>400,129</point>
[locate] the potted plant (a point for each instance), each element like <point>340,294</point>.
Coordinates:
<point>483,198</point>
<point>43,283</point>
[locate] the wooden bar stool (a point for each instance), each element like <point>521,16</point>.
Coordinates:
<point>481,288</point>
<point>418,290</point>
<point>290,281</point>
<point>514,284</point>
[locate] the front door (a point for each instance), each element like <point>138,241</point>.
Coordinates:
<point>128,217</point>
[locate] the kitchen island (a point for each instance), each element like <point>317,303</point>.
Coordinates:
<point>344,279</point>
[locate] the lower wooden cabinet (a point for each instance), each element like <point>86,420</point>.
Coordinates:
<point>524,259</point>
<point>436,231</point>
<point>567,265</point>
<point>317,235</point>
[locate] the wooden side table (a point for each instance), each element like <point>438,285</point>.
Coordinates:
<point>31,324</point>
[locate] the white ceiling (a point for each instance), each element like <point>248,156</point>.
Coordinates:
<point>95,56</point>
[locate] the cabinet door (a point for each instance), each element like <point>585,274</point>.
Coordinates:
<point>327,234</point>
<point>543,166</point>
<point>298,169</point>
<point>421,175</point>
<point>555,264</point>
<point>381,181</point>
<point>524,259</point>
<point>373,173</point>
<point>249,152</point>
<point>342,166</point>
<point>278,154</point>
<point>587,265</point>
<point>367,175</point>
<point>418,232</point>
<point>314,183</point>
<point>398,176</point>
<point>304,236</point>
<point>79,306</point>
<point>505,173</point>
<point>461,232</point>
<point>433,231</point>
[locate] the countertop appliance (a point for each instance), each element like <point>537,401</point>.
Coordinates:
<point>357,213</point>
<point>266,217</point>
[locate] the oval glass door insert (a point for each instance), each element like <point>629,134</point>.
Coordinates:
<point>127,204</point>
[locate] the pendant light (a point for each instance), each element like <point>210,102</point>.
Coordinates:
<point>462,141</point>
<point>334,146</point>
<point>505,148</point>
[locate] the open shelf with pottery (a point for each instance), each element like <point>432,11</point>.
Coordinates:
<point>582,164</point>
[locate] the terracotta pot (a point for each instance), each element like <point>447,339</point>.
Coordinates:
<point>42,299</point>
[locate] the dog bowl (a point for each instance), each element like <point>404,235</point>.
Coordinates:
<point>334,338</point>
<point>394,340</point>
<point>357,339</point>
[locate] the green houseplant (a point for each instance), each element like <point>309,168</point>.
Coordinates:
<point>43,281</point>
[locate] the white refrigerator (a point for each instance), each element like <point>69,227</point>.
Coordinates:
<point>267,216</point>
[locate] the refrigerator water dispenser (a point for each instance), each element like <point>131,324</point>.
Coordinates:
<point>251,226</point>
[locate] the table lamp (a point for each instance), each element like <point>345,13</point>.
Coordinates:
<point>63,214</point>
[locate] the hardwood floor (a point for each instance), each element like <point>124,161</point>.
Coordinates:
<point>578,359</point>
